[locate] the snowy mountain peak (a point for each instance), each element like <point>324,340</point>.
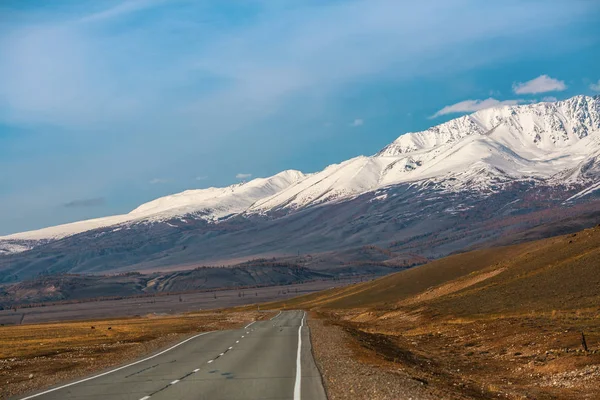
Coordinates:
<point>210,204</point>
<point>550,143</point>
<point>545,125</point>
<point>216,203</point>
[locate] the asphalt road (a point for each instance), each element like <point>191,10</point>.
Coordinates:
<point>266,360</point>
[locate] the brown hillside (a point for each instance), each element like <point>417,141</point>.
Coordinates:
<point>496,323</point>
<point>556,273</point>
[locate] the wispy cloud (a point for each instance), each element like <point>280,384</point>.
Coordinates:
<point>595,86</point>
<point>468,106</point>
<point>158,181</point>
<point>121,9</point>
<point>357,122</point>
<point>201,178</point>
<point>541,84</point>
<point>93,202</point>
<point>243,176</point>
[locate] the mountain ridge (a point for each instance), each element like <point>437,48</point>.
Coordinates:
<point>548,143</point>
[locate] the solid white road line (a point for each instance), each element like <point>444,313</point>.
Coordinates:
<point>246,327</point>
<point>276,316</point>
<point>298,383</point>
<point>114,370</point>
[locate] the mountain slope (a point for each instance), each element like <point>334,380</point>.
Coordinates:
<point>461,183</point>
<point>541,141</point>
<point>209,204</point>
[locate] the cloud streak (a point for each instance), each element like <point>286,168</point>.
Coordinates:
<point>595,86</point>
<point>82,203</point>
<point>541,84</point>
<point>468,106</point>
<point>243,176</point>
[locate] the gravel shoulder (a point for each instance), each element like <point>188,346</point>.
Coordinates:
<point>351,372</point>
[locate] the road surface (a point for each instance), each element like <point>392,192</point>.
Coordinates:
<point>265,360</point>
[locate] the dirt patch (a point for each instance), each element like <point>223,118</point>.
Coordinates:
<point>451,287</point>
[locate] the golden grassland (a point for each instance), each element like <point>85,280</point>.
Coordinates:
<point>38,355</point>
<point>503,322</point>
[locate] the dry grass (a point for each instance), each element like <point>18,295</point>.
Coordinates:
<point>503,322</point>
<point>35,356</point>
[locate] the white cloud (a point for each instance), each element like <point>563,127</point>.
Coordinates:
<point>549,99</point>
<point>243,176</point>
<point>157,181</point>
<point>201,178</point>
<point>474,105</point>
<point>357,122</point>
<point>595,86</point>
<point>541,84</point>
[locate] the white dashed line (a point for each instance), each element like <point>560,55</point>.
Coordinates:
<point>231,348</point>
<point>237,341</point>
<point>210,361</point>
<point>175,381</point>
<point>145,398</point>
<point>197,369</point>
<point>246,327</point>
<point>242,336</point>
<point>221,354</point>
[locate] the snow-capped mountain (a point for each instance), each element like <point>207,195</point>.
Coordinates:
<point>209,204</point>
<point>546,143</point>
<point>553,142</point>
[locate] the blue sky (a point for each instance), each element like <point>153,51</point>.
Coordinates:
<point>107,104</point>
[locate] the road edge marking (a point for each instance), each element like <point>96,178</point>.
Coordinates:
<point>246,327</point>
<point>298,383</point>
<point>116,369</point>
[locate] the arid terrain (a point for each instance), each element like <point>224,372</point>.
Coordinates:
<point>497,323</point>
<point>503,322</point>
<point>36,356</point>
